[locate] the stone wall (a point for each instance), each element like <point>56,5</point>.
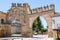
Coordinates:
<point>2,17</point>
<point>5,30</point>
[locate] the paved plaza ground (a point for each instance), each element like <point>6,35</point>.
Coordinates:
<point>35,37</point>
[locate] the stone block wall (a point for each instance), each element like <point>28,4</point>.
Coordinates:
<point>5,30</point>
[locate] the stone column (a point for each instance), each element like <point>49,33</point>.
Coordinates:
<point>49,23</point>
<point>50,30</point>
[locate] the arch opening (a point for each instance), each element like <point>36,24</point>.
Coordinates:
<point>39,26</point>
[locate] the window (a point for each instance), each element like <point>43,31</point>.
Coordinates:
<point>2,21</point>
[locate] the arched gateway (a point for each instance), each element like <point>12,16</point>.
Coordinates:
<point>34,13</point>
<point>26,16</point>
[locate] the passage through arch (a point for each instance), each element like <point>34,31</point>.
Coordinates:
<point>39,26</point>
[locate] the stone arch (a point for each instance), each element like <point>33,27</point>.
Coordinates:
<point>48,20</point>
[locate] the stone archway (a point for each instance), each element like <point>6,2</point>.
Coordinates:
<point>47,14</point>
<point>49,23</point>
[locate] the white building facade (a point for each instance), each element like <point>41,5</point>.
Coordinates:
<point>56,22</point>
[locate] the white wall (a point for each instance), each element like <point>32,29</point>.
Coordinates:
<point>56,22</point>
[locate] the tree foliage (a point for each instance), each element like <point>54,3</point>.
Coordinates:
<point>37,26</point>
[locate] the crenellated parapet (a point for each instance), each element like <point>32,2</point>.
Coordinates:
<point>39,9</point>
<point>21,7</point>
<point>13,4</point>
<point>52,6</point>
<point>19,4</point>
<point>45,8</point>
<point>34,10</point>
<point>25,4</point>
<point>26,7</point>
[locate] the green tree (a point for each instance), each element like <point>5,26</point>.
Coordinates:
<point>43,30</point>
<point>37,25</point>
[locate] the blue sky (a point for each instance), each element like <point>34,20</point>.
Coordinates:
<point>44,22</point>
<point>6,4</point>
